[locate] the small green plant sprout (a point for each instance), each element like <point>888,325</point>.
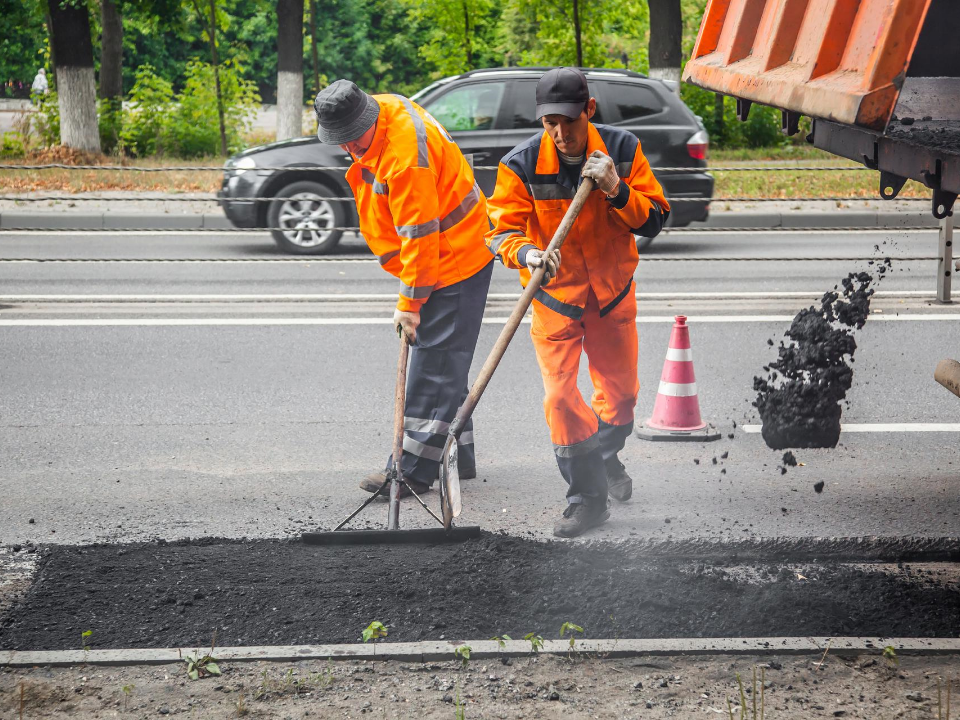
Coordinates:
<point>536,641</point>
<point>85,640</point>
<point>568,628</point>
<point>127,691</point>
<point>501,640</point>
<point>198,667</point>
<point>463,654</point>
<point>374,631</point>
<point>890,655</point>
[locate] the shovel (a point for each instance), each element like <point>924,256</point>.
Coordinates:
<point>450,502</point>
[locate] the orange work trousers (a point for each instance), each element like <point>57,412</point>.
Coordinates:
<point>587,438</point>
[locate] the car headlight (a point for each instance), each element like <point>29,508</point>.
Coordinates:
<point>243,164</point>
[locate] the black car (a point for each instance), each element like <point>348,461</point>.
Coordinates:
<point>487,112</point>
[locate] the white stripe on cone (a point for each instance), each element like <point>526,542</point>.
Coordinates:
<point>678,389</point>
<point>680,355</point>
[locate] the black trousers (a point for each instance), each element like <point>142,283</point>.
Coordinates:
<point>437,377</point>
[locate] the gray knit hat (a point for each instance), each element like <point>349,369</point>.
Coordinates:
<point>344,113</point>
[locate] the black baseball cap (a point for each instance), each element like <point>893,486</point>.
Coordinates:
<point>344,113</point>
<point>562,91</point>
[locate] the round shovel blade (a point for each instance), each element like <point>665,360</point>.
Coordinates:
<point>450,483</point>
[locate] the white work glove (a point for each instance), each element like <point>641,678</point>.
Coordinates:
<point>536,258</point>
<point>600,167</point>
<point>407,322</point>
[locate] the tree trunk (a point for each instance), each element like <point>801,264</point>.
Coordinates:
<point>216,75</point>
<point>289,69</point>
<point>666,30</point>
<point>111,76</point>
<point>111,51</point>
<point>576,32</point>
<point>313,47</point>
<point>76,87</point>
<point>466,35</point>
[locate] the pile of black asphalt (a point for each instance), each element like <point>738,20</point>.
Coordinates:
<point>278,592</point>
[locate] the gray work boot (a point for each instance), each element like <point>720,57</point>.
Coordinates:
<point>580,517</point>
<point>619,484</point>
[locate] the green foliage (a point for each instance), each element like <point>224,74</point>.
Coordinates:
<point>146,119</point>
<point>762,128</point>
<point>459,35</point>
<point>85,639</point>
<point>156,123</point>
<point>536,641</point>
<point>374,631</point>
<point>613,33</point>
<point>463,654</point>
<point>198,667</point>
<point>890,655</point>
<point>47,119</point>
<point>195,128</point>
<point>501,640</point>
<point>22,45</point>
<point>568,628</point>
<point>110,113</point>
<point>12,145</point>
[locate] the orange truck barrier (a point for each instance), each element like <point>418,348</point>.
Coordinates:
<point>880,78</point>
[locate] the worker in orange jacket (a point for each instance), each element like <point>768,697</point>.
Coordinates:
<point>424,217</point>
<point>589,302</point>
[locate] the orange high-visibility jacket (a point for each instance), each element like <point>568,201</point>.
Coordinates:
<point>600,252</point>
<point>421,211</point>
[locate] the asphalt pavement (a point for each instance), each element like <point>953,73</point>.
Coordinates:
<point>184,385</point>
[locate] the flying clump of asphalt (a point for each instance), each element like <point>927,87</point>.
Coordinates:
<point>799,399</point>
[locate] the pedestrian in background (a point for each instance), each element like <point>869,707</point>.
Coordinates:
<point>40,86</point>
<point>589,303</point>
<point>424,217</point>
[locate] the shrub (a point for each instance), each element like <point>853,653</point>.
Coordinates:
<point>12,145</point>
<point>146,119</point>
<point>762,128</point>
<point>187,125</point>
<point>110,115</point>
<point>195,125</point>
<point>47,119</point>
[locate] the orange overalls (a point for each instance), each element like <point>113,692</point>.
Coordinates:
<point>424,217</point>
<point>591,304</point>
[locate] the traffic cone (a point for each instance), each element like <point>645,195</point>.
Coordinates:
<point>676,412</point>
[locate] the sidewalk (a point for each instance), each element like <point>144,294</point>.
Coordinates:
<point>155,211</point>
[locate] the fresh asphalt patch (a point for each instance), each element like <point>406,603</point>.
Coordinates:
<point>278,592</point>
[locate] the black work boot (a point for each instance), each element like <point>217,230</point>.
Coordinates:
<point>619,484</point>
<point>580,517</point>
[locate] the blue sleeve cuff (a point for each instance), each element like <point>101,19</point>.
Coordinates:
<point>619,201</point>
<point>522,254</point>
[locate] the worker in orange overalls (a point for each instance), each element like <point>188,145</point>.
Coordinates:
<point>424,217</point>
<point>589,302</point>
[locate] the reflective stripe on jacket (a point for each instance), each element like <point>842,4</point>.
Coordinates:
<point>421,211</point>
<point>600,252</point>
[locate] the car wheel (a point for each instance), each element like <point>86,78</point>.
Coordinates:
<point>643,242</point>
<point>303,222</point>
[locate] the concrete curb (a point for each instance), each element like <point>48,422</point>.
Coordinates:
<point>432,651</point>
<point>771,220</point>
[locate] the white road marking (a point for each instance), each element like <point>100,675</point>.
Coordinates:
<point>352,297</point>
<point>161,322</point>
<point>690,231</point>
<point>882,427</point>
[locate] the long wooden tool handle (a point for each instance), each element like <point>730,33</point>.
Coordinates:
<point>400,401</point>
<point>516,317</point>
